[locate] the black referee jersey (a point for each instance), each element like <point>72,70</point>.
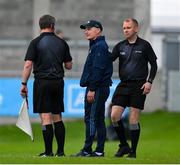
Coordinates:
<point>134,59</point>
<point>48,53</point>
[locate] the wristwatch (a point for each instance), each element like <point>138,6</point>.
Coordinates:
<point>24,83</point>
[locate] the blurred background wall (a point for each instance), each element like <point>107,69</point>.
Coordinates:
<point>165,37</point>
<point>19,24</point>
<point>159,25</point>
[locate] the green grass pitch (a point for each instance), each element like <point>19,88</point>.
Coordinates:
<point>159,143</point>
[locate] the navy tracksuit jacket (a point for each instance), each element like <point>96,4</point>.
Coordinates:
<point>96,77</point>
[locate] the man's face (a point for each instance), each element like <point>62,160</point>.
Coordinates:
<point>91,33</point>
<point>130,29</point>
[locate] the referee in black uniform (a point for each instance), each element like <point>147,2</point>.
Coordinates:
<point>46,54</point>
<point>134,55</point>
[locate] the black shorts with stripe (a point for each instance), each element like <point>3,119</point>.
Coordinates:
<point>48,96</point>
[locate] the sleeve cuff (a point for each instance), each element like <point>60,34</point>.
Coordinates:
<point>92,88</point>
<point>24,83</point>
<point>150,81</point>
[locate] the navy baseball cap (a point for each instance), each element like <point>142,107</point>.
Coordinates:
<point>91,23</point>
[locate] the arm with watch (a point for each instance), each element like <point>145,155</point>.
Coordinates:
<point>147,86</point>
<point>25,76</point>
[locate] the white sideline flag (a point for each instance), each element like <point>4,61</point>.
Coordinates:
<point>23,121</point>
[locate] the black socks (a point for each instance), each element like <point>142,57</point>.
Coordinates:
<point>135,132</point>
<point>119,128</point>
<point>59,131</point>
<point>48,134</point>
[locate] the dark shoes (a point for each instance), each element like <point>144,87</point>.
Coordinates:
<point>131,155</point>
<point>82,153</point>
<point>46,154</point>
<point>60,154</point>
<point>97,154</point>
<point>122,151</point>
<point>51,154</point>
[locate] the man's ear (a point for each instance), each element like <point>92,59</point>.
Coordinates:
<point>98,30</point>
<point>136,29</point>
<point>52,26</point>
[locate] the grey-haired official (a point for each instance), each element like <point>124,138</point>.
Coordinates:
<point>48,55</point>
<point>96,77</point>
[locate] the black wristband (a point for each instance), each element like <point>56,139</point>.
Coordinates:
<point>24,83</point>
<point>150,81</point>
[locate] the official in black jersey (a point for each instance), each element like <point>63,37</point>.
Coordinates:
<point>134,54</point>
<point>47,54</point>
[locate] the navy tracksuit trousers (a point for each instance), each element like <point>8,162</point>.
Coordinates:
<point>95,119</point>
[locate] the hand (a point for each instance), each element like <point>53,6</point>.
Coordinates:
<point>24,91</point>
<point>147,88</point>
<point>90,96</point>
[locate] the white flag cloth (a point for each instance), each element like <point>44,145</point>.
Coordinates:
<point>23,121</point>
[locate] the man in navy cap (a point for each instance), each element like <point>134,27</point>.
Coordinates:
<point>96,77</point>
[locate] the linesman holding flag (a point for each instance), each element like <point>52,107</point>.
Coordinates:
<point>23,121</point>
<point>48,55</point>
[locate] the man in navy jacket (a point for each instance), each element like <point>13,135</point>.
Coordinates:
<point>96,77</point>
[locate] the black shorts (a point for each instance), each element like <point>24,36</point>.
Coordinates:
<point>129,94</point>
<point>48,96</point>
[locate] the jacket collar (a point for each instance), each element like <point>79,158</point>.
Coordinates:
<point>47,33</point>
<point>99,38</point>
<point>137,40</point>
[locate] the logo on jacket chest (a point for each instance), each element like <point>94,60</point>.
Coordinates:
<point>122,53</point>
<point>138,51</point>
